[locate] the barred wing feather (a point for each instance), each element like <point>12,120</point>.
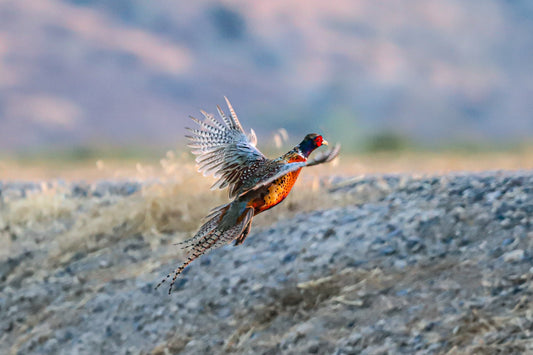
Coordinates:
<point>276,171</point>
<point>224,150</point>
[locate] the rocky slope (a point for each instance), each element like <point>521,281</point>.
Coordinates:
<point>430,265</point>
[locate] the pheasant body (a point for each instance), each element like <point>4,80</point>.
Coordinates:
<point>255,182</point>
<point>269,196</point>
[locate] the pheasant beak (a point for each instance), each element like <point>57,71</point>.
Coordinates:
<point>324,142</point>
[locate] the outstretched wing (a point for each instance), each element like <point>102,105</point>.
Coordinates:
<point>224,150</point>
<point>326,156</point>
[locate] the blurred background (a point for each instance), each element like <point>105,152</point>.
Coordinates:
<point>84,79</point>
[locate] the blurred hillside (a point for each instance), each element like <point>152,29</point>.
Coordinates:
<point>129,72</point>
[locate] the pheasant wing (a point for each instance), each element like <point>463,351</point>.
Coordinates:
<point>224,150</point>
<point>267,175</point>
<point>326,156</point>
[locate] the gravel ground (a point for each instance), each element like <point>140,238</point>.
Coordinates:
<point>427,265</point>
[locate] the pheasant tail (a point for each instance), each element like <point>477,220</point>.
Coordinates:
<point>225,223</point>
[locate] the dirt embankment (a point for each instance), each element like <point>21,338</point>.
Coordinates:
<point>430,265</point>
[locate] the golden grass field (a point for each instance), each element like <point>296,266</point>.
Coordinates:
<point>169,166</point>
<point>179,196</point>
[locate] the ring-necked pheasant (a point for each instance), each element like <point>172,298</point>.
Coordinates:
<point>255,182</point>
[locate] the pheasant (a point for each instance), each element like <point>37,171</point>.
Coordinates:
<point>255,183</point>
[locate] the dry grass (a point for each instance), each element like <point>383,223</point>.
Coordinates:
<point>169,208</point>
<point>394,162</point>
<point>373,293</point>
<point>175,197</point>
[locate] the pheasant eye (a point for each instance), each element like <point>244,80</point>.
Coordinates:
<point>318,141</point>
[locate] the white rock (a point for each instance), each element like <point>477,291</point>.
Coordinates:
<point>513,256</point>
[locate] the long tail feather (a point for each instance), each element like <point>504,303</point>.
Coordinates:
<point>200,248</point>
<point>225,223</point>
<point>212,220</point>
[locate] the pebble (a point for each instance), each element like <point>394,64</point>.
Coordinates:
<point>493,196</point>
<point>507,241</point>
<point>513,256</point>
<point>400,264</point>
<point>387,250</point>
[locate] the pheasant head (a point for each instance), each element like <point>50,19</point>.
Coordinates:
<point>310,143</point>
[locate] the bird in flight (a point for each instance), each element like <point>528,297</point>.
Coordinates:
<point>255,183</point>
